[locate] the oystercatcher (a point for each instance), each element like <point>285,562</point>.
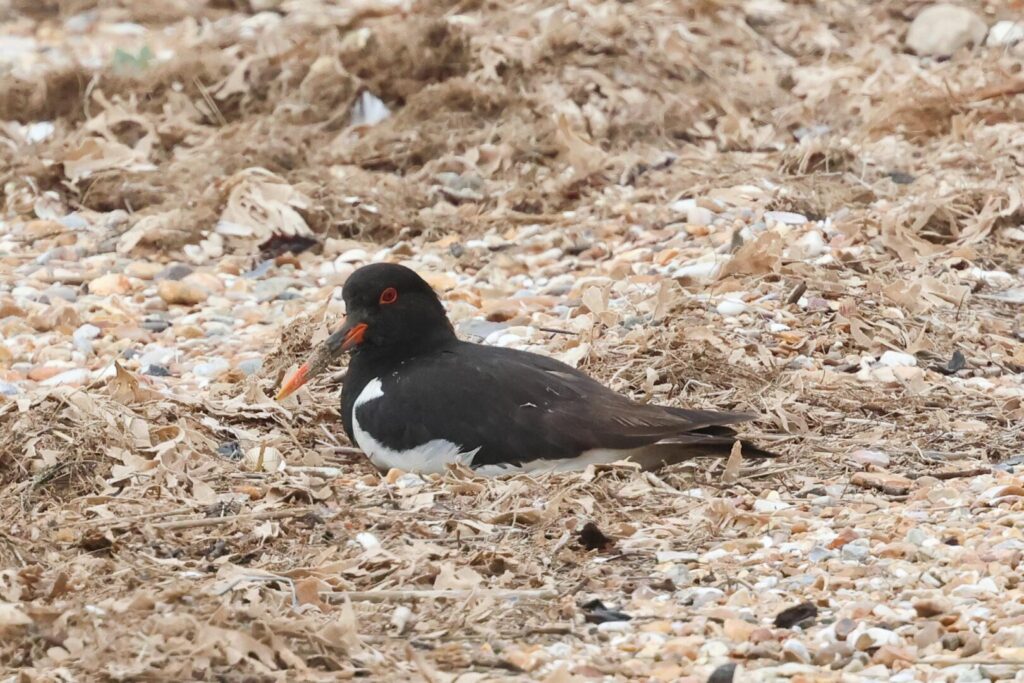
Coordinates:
<point>417,398</point>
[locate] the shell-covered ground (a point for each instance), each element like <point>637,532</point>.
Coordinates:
<point>758,205</point>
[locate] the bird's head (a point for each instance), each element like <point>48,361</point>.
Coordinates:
<point>390,312</point>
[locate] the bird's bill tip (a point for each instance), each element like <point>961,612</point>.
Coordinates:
<point>292,384</point>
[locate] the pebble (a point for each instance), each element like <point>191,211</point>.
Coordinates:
<point>59,292</point>
<point>8,389</point>
<point>143,270</point>
<point>1005,33</point>
<point>217,329</point>
<point>72,221</point>
<point>208,281</point>
<point>705,596</point>
<point>83,336</point>
<point>785,217</point>
<point>68,377</point>
<point>818,554</point>
<point>766,505</point>
<point>876,637</point>
<point>250,366</point>
<point>929,634</point>
<point>156,371</point>
<point>858,550</point>
<point>157,355</point>
<point>893,359</point>
<point>175,271</point>
<point>731,307</point>
<point>870,458</point>
<point>110,284</point>
<point>230,450</point>
<point>155,324</point>
<point>211,368</point>
<point>698,215</point>
<point>699,271</point>
<point>181,293</point>
<point>941,29</point>
<point>794,650</point>
<point>26,292</point>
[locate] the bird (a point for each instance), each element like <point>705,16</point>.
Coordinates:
<point>418,399</point>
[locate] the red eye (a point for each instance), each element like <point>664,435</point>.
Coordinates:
<point>389,296</point>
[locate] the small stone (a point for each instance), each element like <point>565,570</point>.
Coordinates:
<point>41,229</point>
<point>893,359</point>
<point>891,484</point>
<point>738,630</point>
<point>705,596</point>
<point>698,215</point>
<point>785,217</point>
<point>931,608</point>
<point>208,281</point>
<point>7,389</point>
<point>844,627</point>
<point>156,371</point>
<point>68,378</point>
<point>8,309</point>
<point>1005,33</point>
<point>971,644</point>
<point>818,554</point>
<point>876,637</point>
<point>143,270</point>
<point>870,458</point>
<point>230,450</point>
<point>83,336</point>
<point>250,366</point>
<point>44,372</point>
<point>110,284</point>
<point>942,29</point>
<point>858,550</point>
<point>795,651</point>
<point>60,292</point>
<point>155,324</point>
<point>929,634</point>
<point>731,307</point>
<point>175,271</point>
<point>211,368</point>
<point>157,355</point>
<point>723,674</point>
<point>180,293</point>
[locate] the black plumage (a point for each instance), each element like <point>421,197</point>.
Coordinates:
<point>412,382</point>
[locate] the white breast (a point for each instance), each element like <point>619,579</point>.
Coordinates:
<point>428,458</point>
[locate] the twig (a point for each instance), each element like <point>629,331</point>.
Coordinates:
<point>228,519</point>
<point>345,450</point>
<point>796,292</point>
<point>135,518</point>
<point>758,475</point>
<point>405,595</point>
<point>956,474</point>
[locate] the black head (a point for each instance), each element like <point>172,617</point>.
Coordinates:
<point>391,313</point>
<point>400,311</point>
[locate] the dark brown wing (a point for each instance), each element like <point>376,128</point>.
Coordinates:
<point>516,407</point>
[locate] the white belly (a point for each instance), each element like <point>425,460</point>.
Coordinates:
<point>595,456</point>
<point>428,458</point>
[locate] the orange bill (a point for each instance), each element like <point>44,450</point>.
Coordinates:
<point>292,384</point>
<point>343,340</point>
